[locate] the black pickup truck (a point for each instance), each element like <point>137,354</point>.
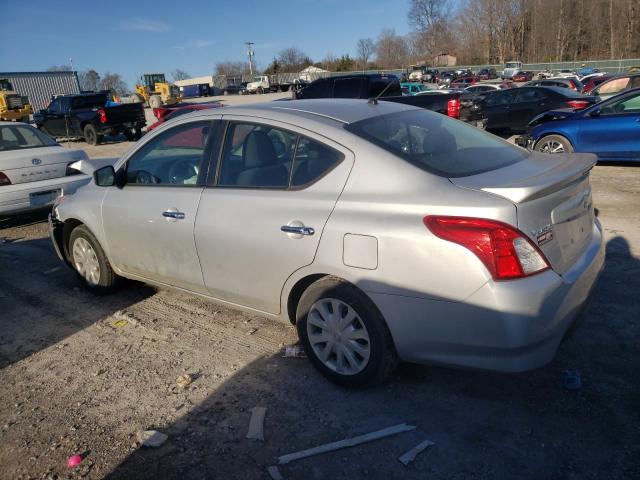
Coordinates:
<point>90,116</point>
<point>454,104</point>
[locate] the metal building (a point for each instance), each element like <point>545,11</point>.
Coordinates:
<point>41,86</point>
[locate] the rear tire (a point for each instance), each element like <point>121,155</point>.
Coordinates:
<point>91,135</point>
<point>361,351</point>
<point>90,262</point>
<point>553,144</point>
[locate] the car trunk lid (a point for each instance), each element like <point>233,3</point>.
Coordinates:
<point>35,164</point>
<point>552,196</point>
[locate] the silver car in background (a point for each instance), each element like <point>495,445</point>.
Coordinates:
<point>34,169</point>
<point>383,231</point>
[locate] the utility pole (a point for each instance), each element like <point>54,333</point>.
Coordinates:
<point>250,53</point>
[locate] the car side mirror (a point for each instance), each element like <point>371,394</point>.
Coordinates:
<point>105,176</point>
<point>595,112</point>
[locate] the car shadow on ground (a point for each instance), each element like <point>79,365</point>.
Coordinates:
<point>484,425</point>
<point>25,219</point>
<point>33,314</point>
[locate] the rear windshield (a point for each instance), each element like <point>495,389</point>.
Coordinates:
<point>18,137</point>
<point>88,101</point>
<point>438,144</point>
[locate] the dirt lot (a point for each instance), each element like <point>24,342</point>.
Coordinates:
<point>82,374</point>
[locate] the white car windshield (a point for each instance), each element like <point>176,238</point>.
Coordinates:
<point>512,65</point>
<point>18,137</point>
<point>257,79</point>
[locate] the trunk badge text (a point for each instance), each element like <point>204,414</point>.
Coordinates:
<point>36,161</point>
<point>543,235</point>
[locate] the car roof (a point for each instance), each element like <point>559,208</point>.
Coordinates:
<point>341,110</point>
<point>6,124</point>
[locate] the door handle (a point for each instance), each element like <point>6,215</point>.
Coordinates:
<point>173,214</point>
<point>297,230</point>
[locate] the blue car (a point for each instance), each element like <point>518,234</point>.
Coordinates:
<point>610,129</point>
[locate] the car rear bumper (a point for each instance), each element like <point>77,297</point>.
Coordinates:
<point>507,326</point>
<point>17,198</point>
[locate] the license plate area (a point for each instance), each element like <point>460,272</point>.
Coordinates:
<point>44,198</point>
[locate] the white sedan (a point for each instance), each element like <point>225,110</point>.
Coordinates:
<point>34,169</point>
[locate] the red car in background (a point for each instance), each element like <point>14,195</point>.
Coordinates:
<point>164,114</point>
<point>522,76</point>
<point>464,82</point>
<point>593,82</point>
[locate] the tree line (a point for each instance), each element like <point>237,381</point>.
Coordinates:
<point>480,32</point>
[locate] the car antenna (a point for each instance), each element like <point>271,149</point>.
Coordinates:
<point>374,100</point>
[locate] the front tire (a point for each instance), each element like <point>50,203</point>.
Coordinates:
<point>553,144</point>
<point>344,334</point>
<point>90,262</point>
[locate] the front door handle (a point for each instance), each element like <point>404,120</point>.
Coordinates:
<point>297,230</point>
<point>173,215</point>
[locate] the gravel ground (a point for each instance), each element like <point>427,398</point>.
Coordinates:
<point>81,374</point>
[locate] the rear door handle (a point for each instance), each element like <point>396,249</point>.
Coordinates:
<point>297,230</point>
<point>173,214</point>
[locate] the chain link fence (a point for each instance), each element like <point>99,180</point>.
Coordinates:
<point>610,66</point>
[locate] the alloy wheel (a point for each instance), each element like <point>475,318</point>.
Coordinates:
<point>86,261</point>
<point>552,146</point>
<point>338,336</point>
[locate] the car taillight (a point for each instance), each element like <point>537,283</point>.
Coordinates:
<point>71,171</point>
<point>572,86</point>
<point>453,108</point>
<point>505,251</point>
<point>4,180</point>
<point>103,115</point>
<point>578,104</point>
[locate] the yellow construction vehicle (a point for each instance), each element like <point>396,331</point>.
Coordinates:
<point>13,107</point>
<point>155,91</point>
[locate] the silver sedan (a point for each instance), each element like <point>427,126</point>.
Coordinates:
<point>34,169</point>
<point>384,232</point>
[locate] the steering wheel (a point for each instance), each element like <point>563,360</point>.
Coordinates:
<point>181,171</point>
<point>146,178</point>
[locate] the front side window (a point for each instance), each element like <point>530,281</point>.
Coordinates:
<point>438,144</point>
<point>22,136</point>
<point>55,106</point>
<point>260,156</point>
<point>625,105</point>
<point>318,89</point>
<point>174,157</point>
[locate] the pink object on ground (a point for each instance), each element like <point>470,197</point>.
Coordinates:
<point>74,461</point>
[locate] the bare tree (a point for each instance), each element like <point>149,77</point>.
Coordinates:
<point>89,80</point>
<point>365,50</point>
<point>430,19</point>
<point>293,59</point>
<point>114,83</point>
<point>178,74</point>
<point>391,49</point>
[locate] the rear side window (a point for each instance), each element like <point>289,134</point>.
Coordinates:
<point>89,101</point>
<point>438,144</point>
<point>614,86</point>
<point>347,88</point>
<point>259,156</point>
<point>530,95</point>
<point>312,161</point>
